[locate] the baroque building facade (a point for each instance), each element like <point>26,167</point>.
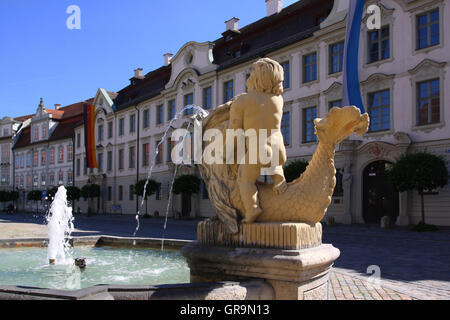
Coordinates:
<point>402,65</point>
<point>403,69</point>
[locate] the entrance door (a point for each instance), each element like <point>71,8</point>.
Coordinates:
<point>379,196</point>
<point>185,204</point>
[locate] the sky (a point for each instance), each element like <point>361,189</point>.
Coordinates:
<point>41,57</point>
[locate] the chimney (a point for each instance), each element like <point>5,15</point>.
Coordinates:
<point>57,106</point>
<point>138,73</point>
<point>274,6</point>
<point>167,58</point>
<point>232,24</point>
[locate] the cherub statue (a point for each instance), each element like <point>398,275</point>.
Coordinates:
<point>260,109</point>
<point>234,190</point>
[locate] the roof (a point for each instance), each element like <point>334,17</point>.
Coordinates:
<point>68,119</point>
<point>151,86</point>
<point>294,23</point>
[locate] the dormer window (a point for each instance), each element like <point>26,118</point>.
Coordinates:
<point>44,132</point>
<point>36,133</point>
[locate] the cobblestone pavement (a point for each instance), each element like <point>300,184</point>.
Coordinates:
<point>412,265</point>
<point>346,287</point>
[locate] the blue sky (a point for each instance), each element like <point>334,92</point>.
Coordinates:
<point>40,56</point>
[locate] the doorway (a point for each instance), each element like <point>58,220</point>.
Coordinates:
<point>185,205</point>
<point>379,196</point>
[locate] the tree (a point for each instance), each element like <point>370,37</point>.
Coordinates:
<point>51,193</point>
<point>4,197</point>
<point>91,191</point>
<point>152,187</point>
<point>73,193</point>
<point>419,171</point>
<point>294,169</point>
<point>35,195</point>
<point>187,184</point>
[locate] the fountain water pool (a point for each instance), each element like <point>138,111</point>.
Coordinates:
<point>105,265</point>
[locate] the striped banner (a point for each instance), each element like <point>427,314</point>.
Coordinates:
<point>352,94</point>
<point>89,135</point>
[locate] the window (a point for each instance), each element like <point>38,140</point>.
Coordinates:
<point>132,123</point>
<point>379,110</point>
<point>145,154</point>
<point>171,109</point>
<point>132,157</point>
<point>228,91</point>
<point>28,181</point>
<point>36,133</point>
<point>29,159</point>
<point>43,179</point>
<point>131,192</point>
<point>44,132</point>
<point>335,103</point>
<point>285,127</point>
<point>159,114</point>
<point>189,101</point>
<point>110,160</point>
<point>428,102</point>
<point>310,67</point>
<point>69,177</point>
<point>120,193</point>
<point>100,132</point>
<point>121,159</point>
<point>69,153</point>
<point>52,156</point>
<point>61,154</point>
<point>110,130</point>
<point>43,158</point>
<point>100,162</point>
<point>170,145</point>
<point>61,178</point>
<point>287,72</point>
<point>146,119</point>
<point>378,44</point>
<point>427,26</point>
<point>159,152</point>
<point>78,140</point>
<point>207,98</point>
<point>78,168</point>
<point>35,159</point>
<point>121,127</point>
<point>109,193</point>
<point>309,114</point>
<point>336,52</point>
<point>338,190</point>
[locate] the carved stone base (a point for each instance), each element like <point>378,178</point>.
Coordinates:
<point>288,236</point>
<point>294,274</point>
<point>288,256</point>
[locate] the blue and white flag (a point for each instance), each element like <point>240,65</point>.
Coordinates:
<point>352,94</point>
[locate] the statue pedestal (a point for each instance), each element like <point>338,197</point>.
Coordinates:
<point>295,262</point>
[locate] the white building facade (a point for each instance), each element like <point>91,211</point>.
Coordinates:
<point>403,70</point>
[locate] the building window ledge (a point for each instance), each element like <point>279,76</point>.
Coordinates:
<point>380,133</point>
<point>428,127</point>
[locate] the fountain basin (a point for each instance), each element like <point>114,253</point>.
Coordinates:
<point>140,281</point>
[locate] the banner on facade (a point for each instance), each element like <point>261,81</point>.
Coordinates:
<point>352,94</point>
<point>89,135</point>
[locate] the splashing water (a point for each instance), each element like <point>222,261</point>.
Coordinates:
<point>198,113</point>
<point>59,228</point>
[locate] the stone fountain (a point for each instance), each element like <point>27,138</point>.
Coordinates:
<point>269,231</point>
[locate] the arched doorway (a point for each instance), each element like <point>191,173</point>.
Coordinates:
<point>379,196</point>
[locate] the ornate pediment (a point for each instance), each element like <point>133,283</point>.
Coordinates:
<point>428,66</point>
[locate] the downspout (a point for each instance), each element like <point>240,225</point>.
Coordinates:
<point>137,153</point>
